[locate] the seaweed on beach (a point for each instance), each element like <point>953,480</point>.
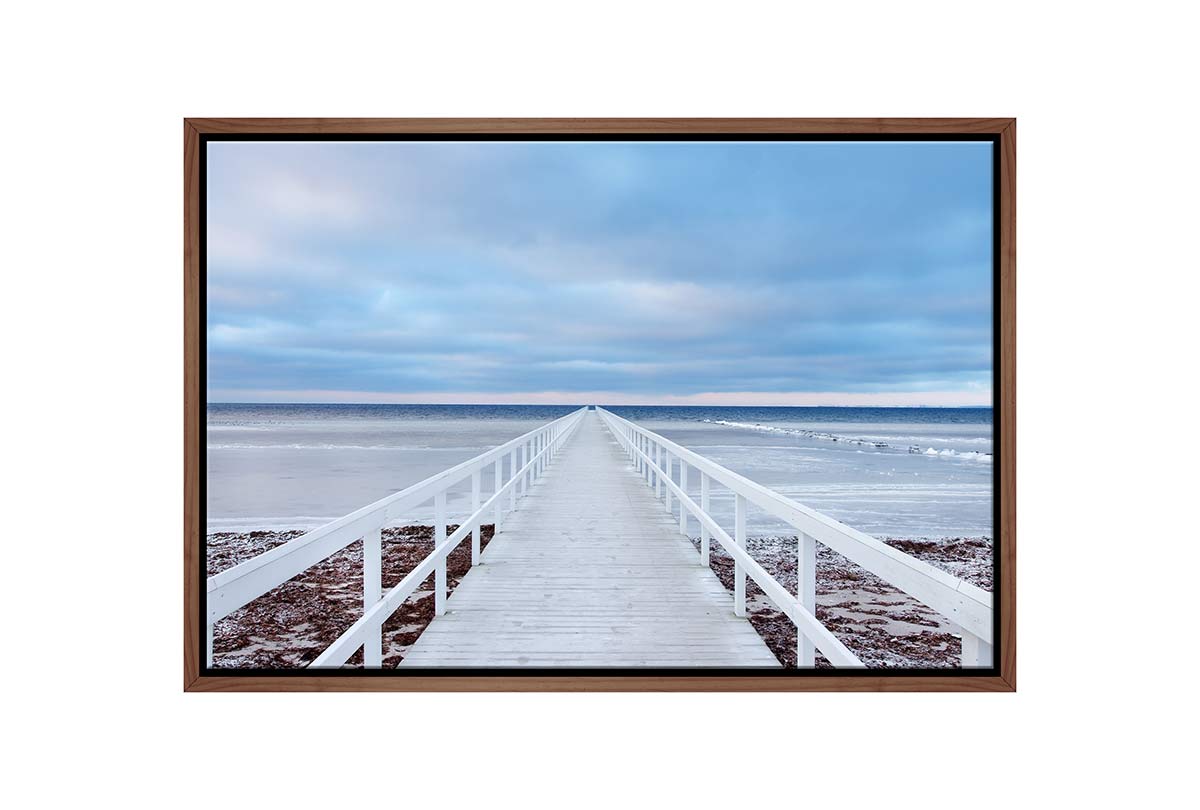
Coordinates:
<point>883,626</point>
<point>290,625</point>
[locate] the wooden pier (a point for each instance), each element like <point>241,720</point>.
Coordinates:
<point>591,571</point>
<point>592,565</point>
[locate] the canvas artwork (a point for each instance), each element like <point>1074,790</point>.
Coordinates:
<point>598,405</point>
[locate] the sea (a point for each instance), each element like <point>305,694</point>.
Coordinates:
<point>890,472</point>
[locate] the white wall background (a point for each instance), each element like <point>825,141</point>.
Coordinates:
<point>90,314</point>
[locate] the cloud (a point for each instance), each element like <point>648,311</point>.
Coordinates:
<point>653,271</point>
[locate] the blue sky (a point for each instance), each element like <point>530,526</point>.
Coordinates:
<point>675,273</point>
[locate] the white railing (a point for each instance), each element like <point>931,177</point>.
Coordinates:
<point>654,457</point>
<point>528,457</point>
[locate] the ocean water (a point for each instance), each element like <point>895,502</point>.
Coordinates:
<point>898,472</point>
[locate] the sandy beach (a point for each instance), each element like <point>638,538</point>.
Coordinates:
<point>884,627</point>
<point>289,626</point>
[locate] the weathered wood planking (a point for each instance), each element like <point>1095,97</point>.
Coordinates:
<point>591,571</point>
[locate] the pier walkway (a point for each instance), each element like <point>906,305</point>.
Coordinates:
<point>591,571</point>
<point>591,564</point>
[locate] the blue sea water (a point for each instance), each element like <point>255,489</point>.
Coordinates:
<point>898,472</point>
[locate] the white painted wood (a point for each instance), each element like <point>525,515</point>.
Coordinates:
<point>372,590</point>
<point>336,654</point>
<point>512,477</point>
<point>592,579</point>
<point>657,471</point>
<point>806,622</point>
<point>520,475</point>
<point>806,595</point>
<point>236,586</point>
<point>475,486</point>
<point>739,539</point>
<point>666,468</point>
<point>706,505</point>
<point>683,485</point>
<point>965,604</point>
<point>497,480</point>
<point>439,537</point>
<point>589,573</point>
<point>975,651</point>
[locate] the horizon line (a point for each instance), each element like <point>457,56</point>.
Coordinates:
<point>574,404</point>
<point>981,397</point>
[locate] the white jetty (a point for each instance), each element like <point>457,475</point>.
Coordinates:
<point>591,565</point>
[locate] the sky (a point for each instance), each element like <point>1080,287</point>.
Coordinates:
<point>767,273</point>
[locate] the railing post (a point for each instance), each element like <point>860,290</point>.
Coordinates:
<point>497,474</point>
<point>667,477</point>
<point>208,644</point>
<point>439,537</point>
<point>657,472</point>
<point>520,487</point>
<point>475,508</point>
<point>372,591</point>
<point>704,497</point>
<point>739,539</point>
<point>806,595</point>
<point>683,519</point>
<point>975,651</point>
<point>512,479</point>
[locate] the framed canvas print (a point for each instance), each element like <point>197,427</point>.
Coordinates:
<point>599,404</point>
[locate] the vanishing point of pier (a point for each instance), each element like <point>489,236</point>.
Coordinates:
<point>591,564</point>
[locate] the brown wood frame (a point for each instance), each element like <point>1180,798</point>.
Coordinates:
<point>1006,641</point>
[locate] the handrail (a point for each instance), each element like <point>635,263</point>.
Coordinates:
<point>967,605</point>
<point>239,585</point>
<point>370,624</point>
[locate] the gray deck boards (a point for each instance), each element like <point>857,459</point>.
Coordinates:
<point>590,571</point>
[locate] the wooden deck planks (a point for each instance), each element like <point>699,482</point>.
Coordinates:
<point>590,571</point>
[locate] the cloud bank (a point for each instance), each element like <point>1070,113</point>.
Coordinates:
<point>680,273</point>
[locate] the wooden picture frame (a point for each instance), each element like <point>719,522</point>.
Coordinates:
<point>1000,678</point>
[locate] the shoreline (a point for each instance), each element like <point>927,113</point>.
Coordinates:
<point>289,626</point>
